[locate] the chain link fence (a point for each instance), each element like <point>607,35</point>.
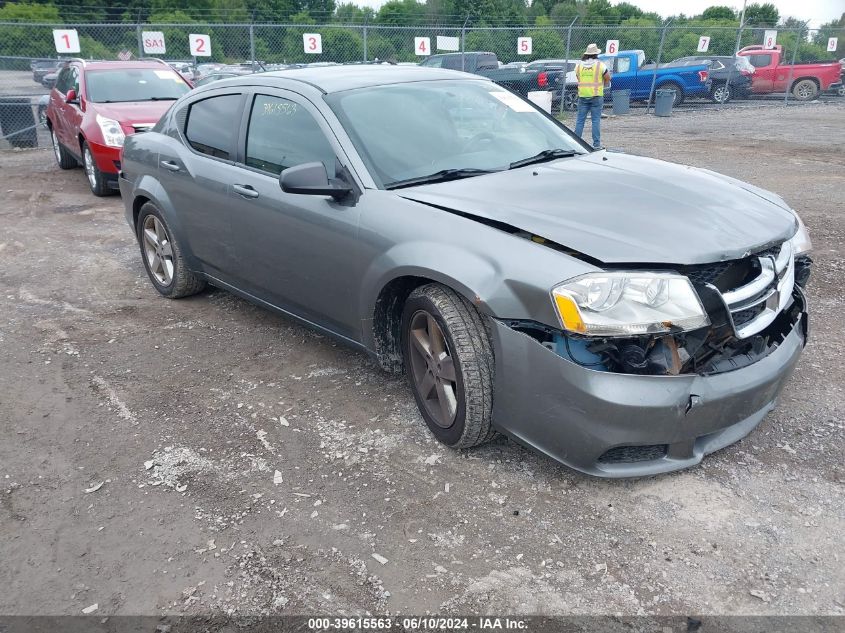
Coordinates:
<point>29,61</point>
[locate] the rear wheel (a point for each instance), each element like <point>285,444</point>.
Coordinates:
<point>841,90</point>
<point>449,362</point>
<point>163,256</point>
<point>678,99</point>
<point>96,179</point>
<point>570,100</point>
<point>63,158</point>
<point>805,90</point>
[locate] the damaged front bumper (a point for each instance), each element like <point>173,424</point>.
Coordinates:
<point>625,425</point>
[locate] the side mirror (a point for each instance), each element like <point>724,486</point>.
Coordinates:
<point>311,179</point>
<point>71,97</point>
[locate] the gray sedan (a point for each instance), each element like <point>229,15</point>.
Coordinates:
<point>622,315</point>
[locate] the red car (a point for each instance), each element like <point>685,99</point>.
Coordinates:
<point>94,105</point>
<point>806,81</point>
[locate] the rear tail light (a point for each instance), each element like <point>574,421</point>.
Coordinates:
<point>702,75</point>
<point>542,80</point>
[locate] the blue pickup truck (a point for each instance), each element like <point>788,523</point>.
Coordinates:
<point>629,71</point>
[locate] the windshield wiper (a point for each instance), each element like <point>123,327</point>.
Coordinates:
<point>440,176</point>
<point>161,99</point>
<point>543,157</point>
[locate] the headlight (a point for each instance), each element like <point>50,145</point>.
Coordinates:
<point>112,133</point>
<point>801,243</point>
<point>628,304</point>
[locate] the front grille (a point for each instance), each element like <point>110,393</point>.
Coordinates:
<point>630,454</point>
<point>707,274</point>
<point>749,314</point>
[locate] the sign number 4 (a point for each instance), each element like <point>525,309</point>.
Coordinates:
<point>422,45</point>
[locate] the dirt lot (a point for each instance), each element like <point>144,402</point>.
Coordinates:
<point>249,465</point>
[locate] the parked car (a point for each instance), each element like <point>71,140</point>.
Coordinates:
<point>805,81</point>
<point>221,74</point>
<point>186,69</point>
<point>620,314</point>
<point>49,80</point>
<point>41,67</point>
<point>519,80</point>
<point>96,105</point>
<point>563,73</point>
<point>630,71</point>
<point>730,76</point>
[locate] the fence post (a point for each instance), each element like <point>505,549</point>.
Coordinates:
<point>139,36</point>
<point>364,34</point>
<point>798,37</point>
<point>657,65</point>
<point>252,42</point>
<point>566,62</point>
<point>463,43</point>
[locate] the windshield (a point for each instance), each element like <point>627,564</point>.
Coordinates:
<point>134,84</point>
<point>412,130</point>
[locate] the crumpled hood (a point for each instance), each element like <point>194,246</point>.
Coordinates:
<point>625,209</point>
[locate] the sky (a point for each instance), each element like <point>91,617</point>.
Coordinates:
<point>816,11</point>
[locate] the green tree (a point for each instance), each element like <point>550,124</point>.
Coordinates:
<point>761,14</point>
<point>718,13</point>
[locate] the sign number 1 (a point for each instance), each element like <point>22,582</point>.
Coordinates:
<point>66,40</point>
<point>200,45</point>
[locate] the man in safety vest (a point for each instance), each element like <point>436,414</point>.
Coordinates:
<point>592,76</point>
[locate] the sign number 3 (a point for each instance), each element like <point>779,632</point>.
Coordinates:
<point>312,43</point>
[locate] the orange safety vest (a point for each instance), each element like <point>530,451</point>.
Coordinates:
<point>590,79</point>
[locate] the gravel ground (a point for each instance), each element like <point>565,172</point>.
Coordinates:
<point>205,455</point>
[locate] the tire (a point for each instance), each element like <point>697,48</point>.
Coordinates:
<point>805,90</point>
<point>679,92</point>
<point>465,341</point>
<point>570,100</point>
<point>721,93</point>
<point>841,90</point>
<point>64,159</point>
<point>96,179</point>
<point>162,256</point>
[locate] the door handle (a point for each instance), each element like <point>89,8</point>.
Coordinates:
<point>171,165</point>
<point>245,190</point>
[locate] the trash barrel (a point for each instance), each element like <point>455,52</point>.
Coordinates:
<point>17,122</point>
<point>663,100</point>
<point>621,101</point>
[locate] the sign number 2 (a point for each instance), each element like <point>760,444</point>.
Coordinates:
<point>312,43</point>
<point>200,45</point>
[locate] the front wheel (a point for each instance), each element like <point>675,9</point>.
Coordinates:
<point>96,179</point>
<point>570,100</point>
<point>722,93</point>
<point>449,362</point>
<point>678,99</point>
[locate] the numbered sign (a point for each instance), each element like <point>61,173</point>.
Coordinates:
<point>200,45</point>
<point>422,45</point>
<point>312,43</point>
<point>153,42</point>
<point>523,46</point>
<point>770,39</point>
<point>67,40</point>
<point>445,43</point>
<point>832,44</point>
<point>612,47</point>
<point>703,44</point>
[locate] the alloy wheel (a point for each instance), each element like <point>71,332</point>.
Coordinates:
<point>433,369</point>
<point>90,168</point>
<point>721,94</point>
<point>57,150</point>
<point>158,250</point>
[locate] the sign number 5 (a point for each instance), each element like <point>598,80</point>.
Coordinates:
<point>200,45</point>
<point>312,43</point>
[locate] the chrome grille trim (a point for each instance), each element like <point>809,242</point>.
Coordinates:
<point>772,288</point>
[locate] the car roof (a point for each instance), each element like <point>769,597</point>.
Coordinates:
<point>118,65</point>
<point>329,79</point>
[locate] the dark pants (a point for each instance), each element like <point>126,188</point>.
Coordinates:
<point>593,105</point>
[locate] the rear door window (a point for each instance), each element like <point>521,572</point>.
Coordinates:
<point>212,125</point>
<point>282,134</point>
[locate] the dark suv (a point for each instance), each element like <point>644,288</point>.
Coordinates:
<point>731,76</point>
